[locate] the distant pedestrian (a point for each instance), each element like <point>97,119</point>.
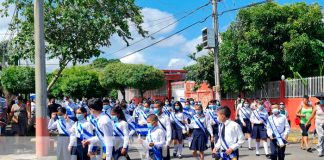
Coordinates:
<point>19,118</point>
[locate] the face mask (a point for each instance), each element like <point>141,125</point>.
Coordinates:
<point>211,106</point>
<point>261,108</point>
<point>60,117</point>
<point>218,104</point>
<point>282,106</point>
<point>114,118</point>
<point>80,117</point>
<point>149,126</point>
<point>144,102</point>
<point>177,107</point>
<point>166,103</point>
<point>191,102</point>
<point>105,107</point>
<point>198,111</point>
<point>309,103</point>
<point>187,107</point>
<point>275,111</point>
<point>322,102</point>
<point>156,110</point>
<point>246,105</point>
<point>146,109</point>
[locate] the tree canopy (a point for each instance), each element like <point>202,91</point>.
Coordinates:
<point>265,42</point>
<point>18,79</point>
<point>74,30</point>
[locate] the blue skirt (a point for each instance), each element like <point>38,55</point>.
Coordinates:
<point>176,132</point>
<point>259,131</point>
<point>79,151</point>
<point>116,153</point>
<point>248,127</point>
<point>199,140</point>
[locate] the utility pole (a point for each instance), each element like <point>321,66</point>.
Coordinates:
<point>216,67</point>
<point>42,137</point>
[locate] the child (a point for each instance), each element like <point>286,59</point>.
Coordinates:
<point>63,124</point>
<point>228,146</point>
<point>244,113</point>
<point>121,133</point>
<point>211,115</point>
<point>81,130</point>
<point>278,130</point>
<point>199,124</point>
<point>259,132</point>
<point>155,139</point>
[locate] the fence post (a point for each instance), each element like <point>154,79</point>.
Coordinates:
<point>282,89</point>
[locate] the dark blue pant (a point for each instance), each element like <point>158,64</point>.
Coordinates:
<point>79,151</point>
<point>277,153</point>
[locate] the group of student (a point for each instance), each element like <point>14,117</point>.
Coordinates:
<point>103,129</point>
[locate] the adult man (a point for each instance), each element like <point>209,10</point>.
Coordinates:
<point>52,106</point>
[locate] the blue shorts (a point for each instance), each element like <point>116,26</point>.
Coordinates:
<point>259,132</point>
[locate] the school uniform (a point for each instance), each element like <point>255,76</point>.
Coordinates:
<point>81,130</point>
<point>136,113</point>
<point>141,127</point>
<point>211,115</point>
<point>244,115</point>
<point>121,141</point>
<point>199,125</point>
<point>165,124</point>
<point>259,121</point>
<point>230,136</point>
<point>167,110</point>
<point>178,127</point>
<point>278,128</point>
<point>131,124</point>
<point>104,135</point>
<point>188,113</point>
<point>156,136</point>
<point>107,112</point>
<point>63,127</point>
<point>130,108</point>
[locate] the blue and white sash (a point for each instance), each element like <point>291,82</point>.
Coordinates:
<point>247,115</point>
<point>280,141</point>
<point>63,127</point>
<point>118,132</point>
<point>141,129</point>
<point>166,111</point>
<point>259,117</point>
<point>198,122</point>
<point>156,151</point>
<point>79,128</point>
<point>69,111</point>
<point>211,114</point>
<point>224,144</point>
<point>177,121</point>
<point>143,114</point>
<point>100,136</point>
<point>187,113</point>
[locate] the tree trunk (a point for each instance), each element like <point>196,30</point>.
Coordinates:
<point>51,84</point>
<point>142,93</point>
<point>122,90</point>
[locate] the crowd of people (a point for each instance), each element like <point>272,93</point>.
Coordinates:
<point>104,128</point>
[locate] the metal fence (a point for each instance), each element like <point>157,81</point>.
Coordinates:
<point>308,86</point>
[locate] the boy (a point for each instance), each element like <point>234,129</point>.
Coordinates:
<point>228,147</point>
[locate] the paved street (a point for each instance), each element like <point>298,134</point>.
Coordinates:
<point>26,151</point>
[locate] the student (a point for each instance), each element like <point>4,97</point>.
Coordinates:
<point>103,128</point>
<point>283,111</point>
<point>131,107</point>
<point>121,133</point>
<point>165,124</point>
<point>155,139</point>
<point>106,107</point>
<point>137,111</point>
<point>178,123</point>
<point>278,130</point>
<point>63,124</point>
<point>199,124</point>
<point>259,132</point>
<point>244,112</point>
<point>81,130</point>
<point>142,124</point>
<point>211,114</point>
<point>188,113</point>
<point>228,146</point>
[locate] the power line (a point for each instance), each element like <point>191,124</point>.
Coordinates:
<point>150,36</point>
<point>152,44</point>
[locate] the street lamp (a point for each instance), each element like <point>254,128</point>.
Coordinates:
<point>283,77</point>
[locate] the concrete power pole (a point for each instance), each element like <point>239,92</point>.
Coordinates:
<point>42,139</point>
<point>216,67</point>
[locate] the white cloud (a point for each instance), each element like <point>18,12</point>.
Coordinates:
<point>136,58</point>
<point>179,63</point>
<point>173,41</point>
<point>190,47</point>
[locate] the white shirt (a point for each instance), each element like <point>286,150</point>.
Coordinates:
<point>76,131</point>
<point>188,113</point>
<point>165,120</point>
<point>136,112</point>
<point>234,136</point>
<point>319,115</point>
<point>156,136</point>
<point>209,114</point>
<point>281,123</point>
<point>105,127</point>
<point>52,125</point>
<point>244,112</point>
<point>257,116</point>
<point>129,120</point>
<point>121,141</point>
<point>142,117</point>
<point>204,121</point>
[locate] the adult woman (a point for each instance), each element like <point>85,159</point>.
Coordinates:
<point>19,118</point>
<point>319,125</point>
<point>304,112</point>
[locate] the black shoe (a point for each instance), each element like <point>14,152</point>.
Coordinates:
<point>251,149</point>
<point>268,156</point>
<point>257,154</point>
<point>174,154</point>
<point>309,150</point>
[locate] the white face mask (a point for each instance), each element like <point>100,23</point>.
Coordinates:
<point>246,105</point>
<point>275,111</point>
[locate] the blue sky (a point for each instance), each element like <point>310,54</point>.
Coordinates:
<point>172,53</point>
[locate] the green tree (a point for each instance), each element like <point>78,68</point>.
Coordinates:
<point>101,63</point>
<point>18,79</point>
<point>78,82</point>
<point>74,30</point>
<point>144,78</point>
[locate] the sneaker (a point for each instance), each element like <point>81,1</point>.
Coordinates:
<point>174,154</point>
<point>309,150</point>
<point>179,156</point>
<point>250,149</point>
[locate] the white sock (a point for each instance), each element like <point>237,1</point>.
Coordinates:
<point>189,141</point>
<point>180,146</point>
<point>249,141</point>
<point>257,146</point>
<point>176,146</point>
<point>265,145</point>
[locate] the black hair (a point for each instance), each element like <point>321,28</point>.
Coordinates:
<point>83,110</point>
<point>180,105</point>
<point>226,111</point>
<point>61,109</point>
<point>119,111</point>
<point>105,101</point>
<point>159,103</point>
<point>20,98</point>
<point>96,104</point>
<point>153,117</point>
<point>123,105</point>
